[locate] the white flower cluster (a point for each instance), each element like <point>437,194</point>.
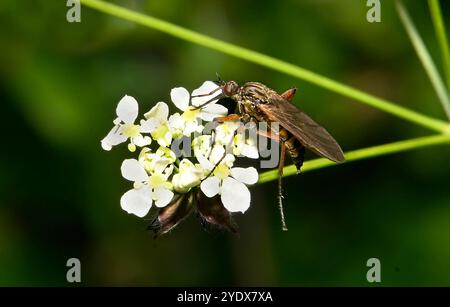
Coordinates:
<point>158,174</point>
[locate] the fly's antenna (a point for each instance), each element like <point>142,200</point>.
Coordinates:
<point>219,80</point>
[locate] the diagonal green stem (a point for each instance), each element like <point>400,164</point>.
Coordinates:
<point>267,61</point>
<point>439,28</point>
<point>424,57</point>
<point>360,154</point>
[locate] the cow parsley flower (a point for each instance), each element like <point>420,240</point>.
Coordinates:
<point>157,162</point>
<point>189,175</point>
<point>202,145</point>
<point>158,124</point>
<point>225,132</point>
<point>230,184</point>
<point>159,177</point>
<point>216,155</point>
<point>227,181</point>
<point>189,120</point>
<point>246,147</point>
<point>125,128</point>
<point>147,189</point>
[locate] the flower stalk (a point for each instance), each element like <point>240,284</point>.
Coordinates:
<point>361,154</point>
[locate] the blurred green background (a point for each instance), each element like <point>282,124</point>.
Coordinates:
<point>59,191</point>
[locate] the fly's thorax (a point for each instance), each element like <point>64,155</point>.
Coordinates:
<point>251,109</point>
<point>255,92</point>
<point>248,99</point>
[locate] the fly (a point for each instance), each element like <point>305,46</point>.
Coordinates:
<point>297,131</point>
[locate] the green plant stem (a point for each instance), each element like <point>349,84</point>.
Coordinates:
<point>439,28</point>
<point>424,57</point>
<point>360,154</point>
<point>267,61</point>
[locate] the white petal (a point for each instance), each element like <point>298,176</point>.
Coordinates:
<point>147,126</point>
<point>176,121</point>
<point>190,127</point>
<point>160,164</point>
<point>205,88</point>
<point>247,175</point>
<point>180,98</point>
<point>217,154</point>
<point>166,140</point>
<point>137,202</point>
<point>210,186</point>
<point>168,171</point>
<point>235,195</point>
<point>229,160</point>
<point>250,151</point>
<point>204,162</point>
<point>225,132</point>
<point>211,111</point>
<point>132,170</point>
<point>160,111</point>
<point>200,129</point>
<point>141,141</point>
<point>113,138</point>
<point>163,197</point>
<point>127,109</point>
<point>106,146</point>
<point>189,175</point>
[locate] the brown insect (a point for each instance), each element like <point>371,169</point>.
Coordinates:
<point>257,102</point>
<point>209,211</point>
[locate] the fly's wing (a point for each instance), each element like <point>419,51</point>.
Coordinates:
<point>212,211</point>
<point>171,215</point>
<point>308,132</point>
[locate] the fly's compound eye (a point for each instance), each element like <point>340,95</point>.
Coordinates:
<point>230,88</point>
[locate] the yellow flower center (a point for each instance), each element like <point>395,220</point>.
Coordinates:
<point>190,114</point>
<point>157,181</point>
<point>130,130</point>
<point>222,171</point>
<point>160,132</point>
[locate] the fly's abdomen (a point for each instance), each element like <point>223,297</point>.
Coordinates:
<point>293,146</point>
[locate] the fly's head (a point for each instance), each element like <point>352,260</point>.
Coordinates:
<point>230,88</point>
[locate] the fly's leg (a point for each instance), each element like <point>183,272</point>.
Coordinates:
<point>221,119</point>
<point>275,136</point>
<point>224,154</point>
<point>207,94</point>
<point>281,139</point>
<point>228,118</point>
<point>280,186</point>
<point>210,100</point>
